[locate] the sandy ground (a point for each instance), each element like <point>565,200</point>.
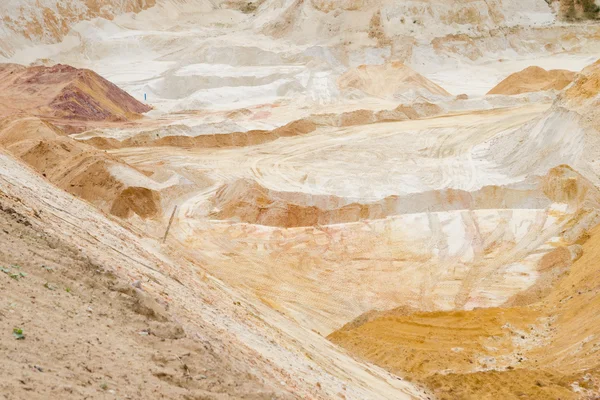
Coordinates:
<point>91,334</point>
<point>329,182</point>
<point>198,302</point>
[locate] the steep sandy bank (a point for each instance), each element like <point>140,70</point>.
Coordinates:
<point>88,332</point>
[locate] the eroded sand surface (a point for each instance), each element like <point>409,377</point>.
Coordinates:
<point>409,184</point>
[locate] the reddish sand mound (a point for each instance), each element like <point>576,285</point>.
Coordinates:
<point>388,80</point>
<point>64,92</point>
<point>534,79</point>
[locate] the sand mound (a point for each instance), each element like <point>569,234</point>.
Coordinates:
<point>78,168</point>
<point>390,80</point>
<point>534,79</point>
<point>64,92</point>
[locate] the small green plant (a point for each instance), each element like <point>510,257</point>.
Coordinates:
<point>103,386</point>
<point>68,290</point>
<point>18,333</point>
<point>16,275</point>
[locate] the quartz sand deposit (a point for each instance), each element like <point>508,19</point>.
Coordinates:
<point>299,199</point>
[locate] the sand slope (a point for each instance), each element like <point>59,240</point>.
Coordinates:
<point>216,319</point>
<point>78,168</point>
<point>533,79</point>
<point>96,323</point>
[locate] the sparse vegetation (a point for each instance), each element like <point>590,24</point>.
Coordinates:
<point>18,334</point>
<point>248,8</point>
<point>10,271</point>
<point>578,10</point>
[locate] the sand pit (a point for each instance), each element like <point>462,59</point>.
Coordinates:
<point>533,79</point>
<point>319,180</point>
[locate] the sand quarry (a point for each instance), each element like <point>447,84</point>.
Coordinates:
<point>364,199</point>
